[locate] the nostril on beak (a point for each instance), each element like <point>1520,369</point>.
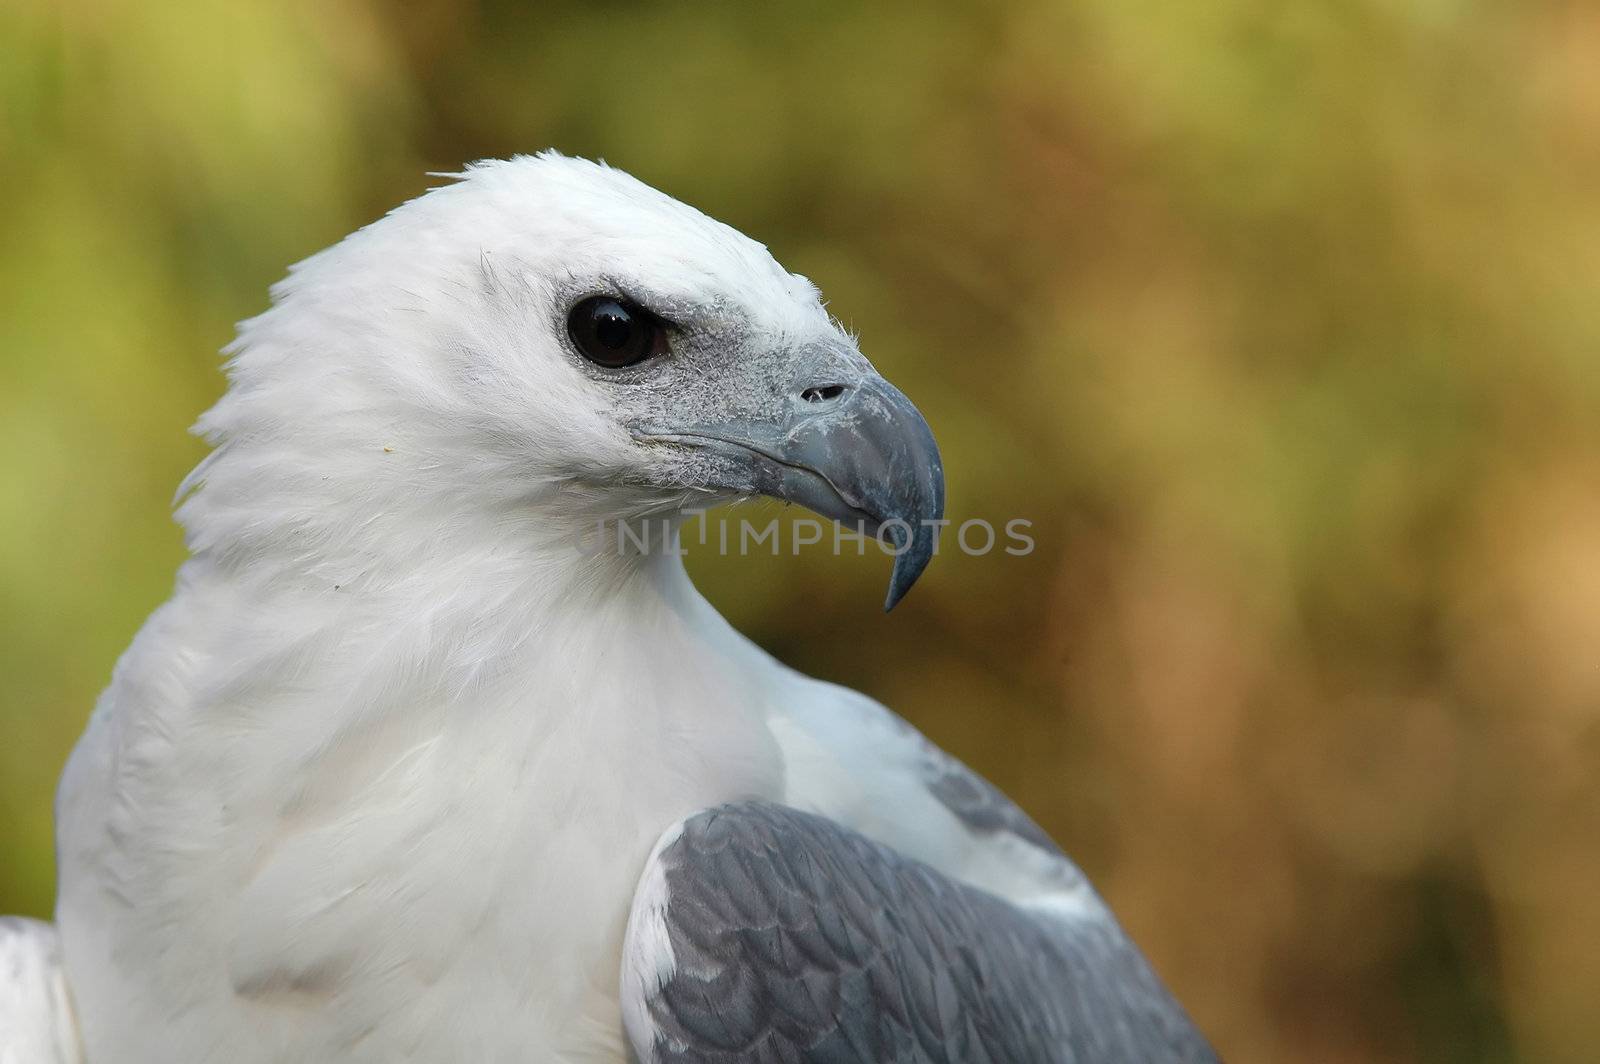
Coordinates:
<point>822,393</point>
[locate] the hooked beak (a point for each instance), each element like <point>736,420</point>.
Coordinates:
<point>858,453</point>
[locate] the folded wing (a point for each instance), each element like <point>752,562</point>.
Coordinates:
<point>36,1022</point>
<point>763,933</point>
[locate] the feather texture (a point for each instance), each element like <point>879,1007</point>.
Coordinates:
<point>36,1021</point>
<point>793,938</point>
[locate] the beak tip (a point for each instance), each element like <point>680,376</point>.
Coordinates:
<point>908,566</point>
<point>896,593</point>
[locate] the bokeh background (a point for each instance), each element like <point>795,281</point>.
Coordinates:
<point>1279,321</point>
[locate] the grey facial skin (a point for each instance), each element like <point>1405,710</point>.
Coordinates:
<point>818,427</point>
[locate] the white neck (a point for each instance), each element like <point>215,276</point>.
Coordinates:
<point>495,734</point>
<point>504,623</point>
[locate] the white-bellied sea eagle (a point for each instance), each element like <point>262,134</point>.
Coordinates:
<point>399,773</point>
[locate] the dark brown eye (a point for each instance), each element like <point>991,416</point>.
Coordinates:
<point>612,333</point>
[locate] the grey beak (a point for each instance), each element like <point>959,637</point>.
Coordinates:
<point>859,453</point>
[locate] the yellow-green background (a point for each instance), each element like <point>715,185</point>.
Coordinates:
<point>1279,320</point>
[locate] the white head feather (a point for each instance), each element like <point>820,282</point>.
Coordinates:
<point>414,379</point>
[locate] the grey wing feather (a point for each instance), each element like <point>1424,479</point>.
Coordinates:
<point>973,800</point>
<point>36,1021</point>
<point>793,938</point>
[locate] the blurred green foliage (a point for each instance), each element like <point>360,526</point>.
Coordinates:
<point>1279,321</point>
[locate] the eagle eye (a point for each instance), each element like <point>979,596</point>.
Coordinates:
<point>614,333</point>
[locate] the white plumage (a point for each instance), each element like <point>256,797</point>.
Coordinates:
<point>379,782</point>
<point>36,1021</point>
